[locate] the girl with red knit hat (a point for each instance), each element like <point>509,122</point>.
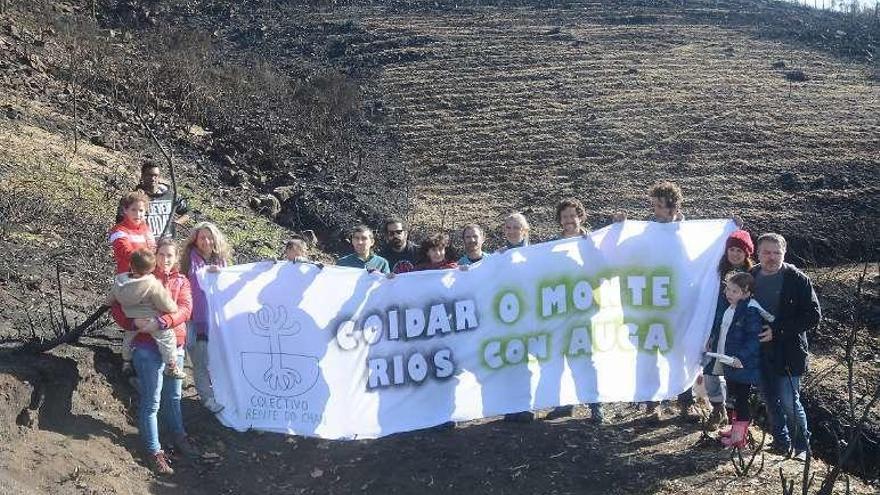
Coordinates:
<point>737,258</point>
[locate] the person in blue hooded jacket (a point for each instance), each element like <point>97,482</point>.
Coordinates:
<point>739,345</point>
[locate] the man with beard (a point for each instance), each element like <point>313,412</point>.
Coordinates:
<point>401,254</point>
<point>788,294</point>
<point>572,219</point>
<point>472,237</point>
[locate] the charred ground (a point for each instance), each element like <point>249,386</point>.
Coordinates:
<point>311,115</point>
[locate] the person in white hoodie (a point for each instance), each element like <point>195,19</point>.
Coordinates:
<point>142,296</point>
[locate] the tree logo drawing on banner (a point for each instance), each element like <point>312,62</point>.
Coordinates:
<point>287,375</point>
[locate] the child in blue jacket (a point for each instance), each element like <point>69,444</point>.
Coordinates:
<point>738,341</point>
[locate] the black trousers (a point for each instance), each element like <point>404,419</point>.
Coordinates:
<point>741,393</point>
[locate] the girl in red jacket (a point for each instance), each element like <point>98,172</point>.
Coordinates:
<point>133,232</point>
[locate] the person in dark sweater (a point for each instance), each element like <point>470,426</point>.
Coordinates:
<point>787,293</point>
<point>402,255</point>
<point>161,196</point>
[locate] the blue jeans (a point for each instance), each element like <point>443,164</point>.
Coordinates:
<point>716,388</point>
<point>785,411</point>
<point>157,389</point>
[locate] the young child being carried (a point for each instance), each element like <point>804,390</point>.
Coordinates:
<point>739,350</point>
<point>141,295</point>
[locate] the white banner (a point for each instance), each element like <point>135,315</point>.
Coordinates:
<point>341,353</point>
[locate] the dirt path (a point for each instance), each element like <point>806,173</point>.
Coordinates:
<point>82,440</point>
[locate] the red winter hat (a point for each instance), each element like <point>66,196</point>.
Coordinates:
<point>742,240</point>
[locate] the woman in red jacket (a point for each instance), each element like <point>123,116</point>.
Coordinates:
<point>133,232</point>
<point>160,392</point>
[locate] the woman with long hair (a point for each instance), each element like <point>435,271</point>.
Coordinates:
<point>206,249</point>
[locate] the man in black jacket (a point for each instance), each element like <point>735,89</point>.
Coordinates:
<point>788,294</point>
<point>402,255</point>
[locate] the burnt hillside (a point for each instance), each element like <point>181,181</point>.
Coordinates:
<point>511,109</point>
<point>448,112</point>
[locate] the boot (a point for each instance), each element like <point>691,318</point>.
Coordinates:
<point>739,435</point>
<point>731,419</point>
<point>160,465</point>
<point>597,416</point>
<point>717,418</point>
<point>559,412</point>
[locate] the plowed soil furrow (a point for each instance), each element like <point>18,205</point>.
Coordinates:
<point>535,105</point>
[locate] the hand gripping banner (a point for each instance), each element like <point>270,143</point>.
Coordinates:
<point>621,315</point>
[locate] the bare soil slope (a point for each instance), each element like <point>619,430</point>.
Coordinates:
<point>501,109</point>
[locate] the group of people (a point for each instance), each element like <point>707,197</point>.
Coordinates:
<point>758,340</point>
<point>157,300</point>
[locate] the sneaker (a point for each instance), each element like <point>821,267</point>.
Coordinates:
<point>175,372</point>
<point>801,455</point>
<point>780,450</point>
<point>185,447</point>
<point>559,412</point>
<point>212,405</point>
<point>160,465</point>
